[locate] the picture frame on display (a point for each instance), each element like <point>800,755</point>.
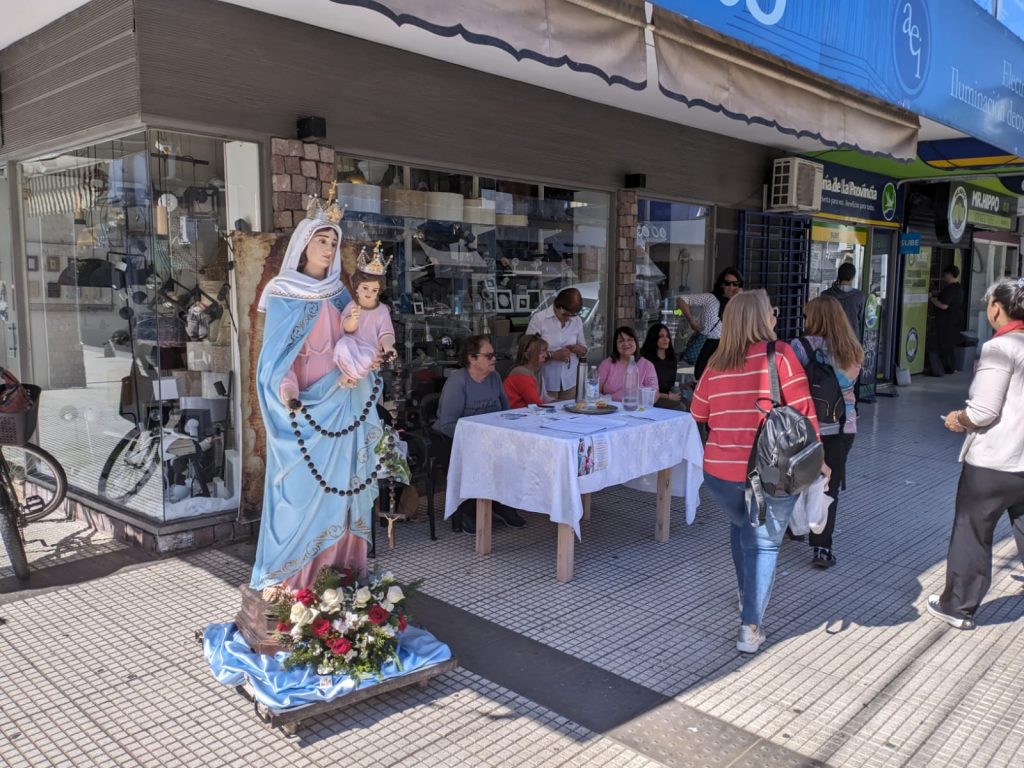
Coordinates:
<point>53,264</point>
<point>503,300</point>
<point>522,301</point>
<point>31,263</point>
<point>534,297</point>
<point>417,308</point>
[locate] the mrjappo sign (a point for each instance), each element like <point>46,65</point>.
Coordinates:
<point>962,204</point>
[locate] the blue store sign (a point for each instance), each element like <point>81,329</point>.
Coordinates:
<point>854,195</point>
<point>952,62</point>
<point>910,242</point>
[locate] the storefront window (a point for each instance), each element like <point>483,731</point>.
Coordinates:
<point>671,259</point>
<point>129,321</point>
<point>473,255</point>
<point>832,245</point>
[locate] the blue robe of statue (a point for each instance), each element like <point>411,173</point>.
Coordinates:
<point>300,519</point>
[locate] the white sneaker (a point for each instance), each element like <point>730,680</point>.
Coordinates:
<point>751,638</point>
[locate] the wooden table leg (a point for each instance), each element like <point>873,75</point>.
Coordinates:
<point>566,553</point>
<point>483,526</point>
<point>585,498</point>
<point>664,508</point>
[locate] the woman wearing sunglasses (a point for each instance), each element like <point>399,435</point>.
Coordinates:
<point>703,312</point>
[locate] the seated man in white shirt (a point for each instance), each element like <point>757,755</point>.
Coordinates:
<point>560,326</point>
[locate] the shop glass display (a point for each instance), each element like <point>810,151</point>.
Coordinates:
<point>671,259</point>
<point>134,348</point>
<point>473,255</point>
<point>831,245</point>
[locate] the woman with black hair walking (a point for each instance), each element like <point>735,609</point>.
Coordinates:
<point>703,312</point>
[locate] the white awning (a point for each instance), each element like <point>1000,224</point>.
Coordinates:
<point>703,68</point>
<point>601,37</point>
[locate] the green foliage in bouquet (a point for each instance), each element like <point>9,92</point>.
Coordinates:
<point>342,626</point>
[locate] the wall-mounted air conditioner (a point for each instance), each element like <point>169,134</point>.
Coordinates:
<point>795,186</point>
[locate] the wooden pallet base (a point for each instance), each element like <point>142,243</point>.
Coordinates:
<point>289,720</point>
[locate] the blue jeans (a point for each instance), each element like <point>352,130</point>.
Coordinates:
<point>755,550</point>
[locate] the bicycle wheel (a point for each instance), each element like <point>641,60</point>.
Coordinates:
<point>32,468</point>
<point>11,534</point>
<point>130,465</point>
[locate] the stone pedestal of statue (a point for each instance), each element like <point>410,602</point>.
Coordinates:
<point>256,622</point>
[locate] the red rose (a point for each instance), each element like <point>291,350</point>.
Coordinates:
<point>284,627</point>
<point>402,622</point>
<point>320,626</point>
<point>377,615</point>
<point>306,596</point>
<point>348,577</point>
<point>341,646</point>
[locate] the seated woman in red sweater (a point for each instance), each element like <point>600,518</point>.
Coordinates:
<point>735,381</point>
<point>523,384</point>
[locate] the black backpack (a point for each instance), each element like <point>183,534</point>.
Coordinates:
<point>787,455</point>
<point>829,404</point>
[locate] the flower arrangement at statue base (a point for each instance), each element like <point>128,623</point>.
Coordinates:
<point>342,626</point>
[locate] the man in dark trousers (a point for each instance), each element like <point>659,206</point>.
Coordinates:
<point>852,300</point>
<point>949,317</point>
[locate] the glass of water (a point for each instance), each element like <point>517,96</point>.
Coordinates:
<point>647,397</point>
<point>592,391</point>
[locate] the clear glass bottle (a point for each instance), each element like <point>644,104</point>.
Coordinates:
<point>631,386</point>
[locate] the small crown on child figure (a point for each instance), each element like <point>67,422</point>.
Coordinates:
<point>373,266</point>
<point>327,211</point>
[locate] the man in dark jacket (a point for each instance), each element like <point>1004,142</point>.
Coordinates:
<point>842,290</point>
<point>949,317</point>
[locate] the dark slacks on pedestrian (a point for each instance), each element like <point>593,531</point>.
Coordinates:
<point>981,498</point>
<point>837,449</point>
<point>949,337</point>
<point>706,351</point>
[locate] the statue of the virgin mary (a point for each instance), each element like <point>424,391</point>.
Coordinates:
<point>318,392</point>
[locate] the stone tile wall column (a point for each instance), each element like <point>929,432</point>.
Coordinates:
<point>625,257</point>
<point>298,169</point>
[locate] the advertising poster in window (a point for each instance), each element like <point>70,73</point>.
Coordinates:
<point>916,269</point>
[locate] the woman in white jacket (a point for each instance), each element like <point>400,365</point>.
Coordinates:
<point>992,479</point>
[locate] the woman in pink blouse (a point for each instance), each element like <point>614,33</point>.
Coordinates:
<point>611,374</point>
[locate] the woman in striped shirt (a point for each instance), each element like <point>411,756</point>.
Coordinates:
<point>726,397</point>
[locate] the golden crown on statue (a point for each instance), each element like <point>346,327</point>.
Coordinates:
<point>327,211</point>
<point>375,265</point>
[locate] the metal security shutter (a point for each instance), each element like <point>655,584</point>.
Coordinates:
<point>774,254</point>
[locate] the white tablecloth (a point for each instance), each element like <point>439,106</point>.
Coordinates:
<point>512,458</point>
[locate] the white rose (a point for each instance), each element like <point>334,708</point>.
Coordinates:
<point>363,597</point>
<point>331,601</point>
<point>302,615</point>
<point>395,595</point>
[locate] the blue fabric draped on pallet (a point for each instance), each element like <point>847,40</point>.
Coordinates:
<point>234,663</point>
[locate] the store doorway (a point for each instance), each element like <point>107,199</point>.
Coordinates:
<point>990,261</point>
<point>9,357</point>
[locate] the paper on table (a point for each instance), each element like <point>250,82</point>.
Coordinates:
<point>578,426</point>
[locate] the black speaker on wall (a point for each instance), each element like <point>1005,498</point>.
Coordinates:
<point>312,128</point>
<point>635,181</point>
